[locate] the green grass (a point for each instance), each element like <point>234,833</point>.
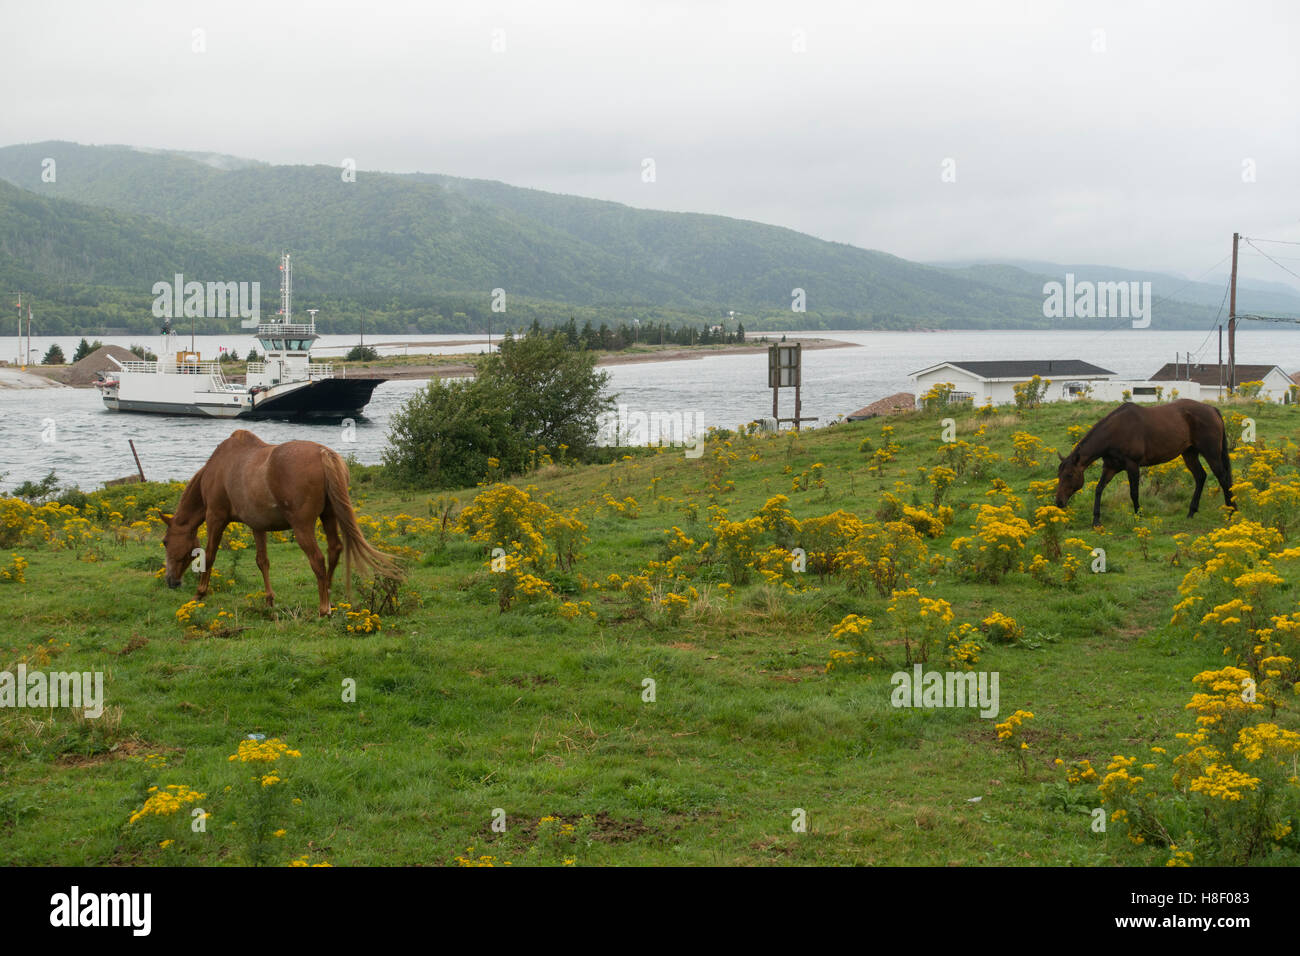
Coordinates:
<point>461,709</point>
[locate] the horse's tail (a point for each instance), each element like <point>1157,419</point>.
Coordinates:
<point>1226,455</point>
<point>336,492</point>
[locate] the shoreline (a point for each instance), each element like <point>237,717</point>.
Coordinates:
<point>682,354</point>
<point>41,377</point>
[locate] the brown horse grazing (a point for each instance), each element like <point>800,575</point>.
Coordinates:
<point>1134,436</point>
<point>272,488</point>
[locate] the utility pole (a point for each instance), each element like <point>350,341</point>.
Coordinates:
<point>19,357</point>
<point>1232,319</point>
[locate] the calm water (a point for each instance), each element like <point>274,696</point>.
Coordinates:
<point>89,443</point>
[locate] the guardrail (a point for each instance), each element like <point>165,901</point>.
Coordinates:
<point>314,369</point>
<point>175,368</point>
<point>286,329</point>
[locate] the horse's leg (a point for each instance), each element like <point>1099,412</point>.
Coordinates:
<point>1107,473</point>
<point>1134,476</point>
<point>1223,476</point>
<point>264,565</point>
<point>331,526</point>
<point>306,538</point>
<point>216,528</point>
<point>1193,463</point>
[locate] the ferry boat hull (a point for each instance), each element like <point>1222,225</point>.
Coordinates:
<point>327,399</point>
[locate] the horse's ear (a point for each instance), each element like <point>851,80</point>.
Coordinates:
<point>1060,456</point>
<point>167,519</point>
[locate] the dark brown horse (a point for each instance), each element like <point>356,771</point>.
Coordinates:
<point>1134,436</point>
<point>272,488</point>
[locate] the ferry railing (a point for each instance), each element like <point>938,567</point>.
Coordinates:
<point>212,369</point>
<point>286,330</point>
<point>313,369</point>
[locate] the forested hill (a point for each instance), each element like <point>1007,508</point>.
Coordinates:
<point>86,268</point>
<point>424,252</point>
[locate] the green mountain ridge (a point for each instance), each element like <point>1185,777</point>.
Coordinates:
<point>424,252</point>
<point>1253,295</point>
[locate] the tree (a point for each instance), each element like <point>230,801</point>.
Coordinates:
<point>444,435</point>
<point>534,391</point>
<point>54,356</point>
<point>555,395</point>
<point>85,348</point>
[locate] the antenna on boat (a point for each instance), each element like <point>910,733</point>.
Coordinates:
<point>286,288</point>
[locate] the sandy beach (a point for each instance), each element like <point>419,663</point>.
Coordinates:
<point>11,377</point>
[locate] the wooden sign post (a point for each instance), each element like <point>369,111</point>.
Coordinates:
<point>785,370</point>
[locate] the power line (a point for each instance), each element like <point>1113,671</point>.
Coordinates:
<point>1213,325</point>
<point>1271,259</point>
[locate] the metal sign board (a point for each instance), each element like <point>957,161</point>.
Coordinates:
<point>784,364</point>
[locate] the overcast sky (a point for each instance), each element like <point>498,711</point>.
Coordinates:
<point>1119,133</point>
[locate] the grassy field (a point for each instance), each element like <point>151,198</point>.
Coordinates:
<point>462,709</point>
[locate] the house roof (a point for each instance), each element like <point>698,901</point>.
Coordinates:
<point>1026,368</point>
<point>1208,375</point>
<point>898,402</point>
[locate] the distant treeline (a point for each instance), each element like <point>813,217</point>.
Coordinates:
<point>622,336</point>
<point>92,311</point>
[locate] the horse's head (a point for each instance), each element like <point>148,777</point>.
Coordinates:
<point>1069,478</point>
<point>179,544</point>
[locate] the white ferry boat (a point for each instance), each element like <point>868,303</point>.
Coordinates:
<point>286,384</point>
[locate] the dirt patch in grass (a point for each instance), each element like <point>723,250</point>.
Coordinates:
<point>134,644</point>
<point>132,747</point>
<point>530,680</point>
<point>772,846</point>
<point>604,827</point>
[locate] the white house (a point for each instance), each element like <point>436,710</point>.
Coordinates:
<point>994,382</point>
<point>1278,385</point>
<point>1150,391</point>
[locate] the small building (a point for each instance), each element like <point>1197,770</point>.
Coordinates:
<point>994,382</point>
<point>1278,385</point>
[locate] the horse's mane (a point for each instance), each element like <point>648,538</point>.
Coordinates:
<point>1104,419</point>
<point>192,499</point>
